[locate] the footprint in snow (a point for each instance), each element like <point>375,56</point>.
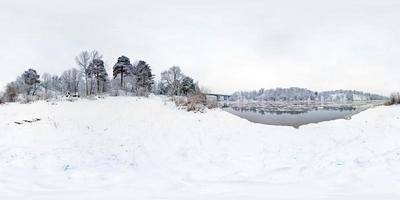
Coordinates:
<point>28,121</point>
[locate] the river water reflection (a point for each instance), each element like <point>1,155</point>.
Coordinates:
<point>291,118</point>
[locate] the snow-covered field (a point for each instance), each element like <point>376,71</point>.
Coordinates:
<point>132,148</point>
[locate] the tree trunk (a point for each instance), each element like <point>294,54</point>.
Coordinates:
<point>91,86</point>
<point>76,86</point>
<point>34,89</point>
<point>87,87</point>
<point>98,86</point>
<point>122,78</point>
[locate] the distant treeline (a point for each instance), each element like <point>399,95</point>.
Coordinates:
<point>302,94</point>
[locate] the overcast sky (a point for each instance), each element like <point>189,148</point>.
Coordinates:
<point>226,45</point>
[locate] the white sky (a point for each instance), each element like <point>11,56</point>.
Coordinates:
<point>226,45</point>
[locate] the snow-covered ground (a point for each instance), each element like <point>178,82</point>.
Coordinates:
<point>138,148</point>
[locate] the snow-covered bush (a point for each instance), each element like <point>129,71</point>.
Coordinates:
<point>11,93</point>
<point>196,102</point>
<point>22,98</point>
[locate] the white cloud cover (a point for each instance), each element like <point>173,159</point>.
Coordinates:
<point>225,45</point>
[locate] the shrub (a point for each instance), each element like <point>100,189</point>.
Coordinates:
<point>388,103</point>
<point>11,93</point>
<point>25,99</point>
<point>196,102</point>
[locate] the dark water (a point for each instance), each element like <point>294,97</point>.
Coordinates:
<point>291,118</point>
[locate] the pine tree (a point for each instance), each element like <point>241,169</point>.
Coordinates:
<point>122,68</point>
<point>31,79</point>
<point>98,71</point>
<point>188,86</point>
<point>143,76</point>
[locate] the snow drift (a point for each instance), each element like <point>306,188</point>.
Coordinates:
<point>145,148</point>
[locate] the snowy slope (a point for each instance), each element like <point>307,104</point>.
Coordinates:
<point>132,148</point>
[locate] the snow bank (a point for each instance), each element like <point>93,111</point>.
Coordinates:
<point>138,148</point>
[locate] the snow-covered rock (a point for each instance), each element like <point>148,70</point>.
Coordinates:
<point>145,148</point>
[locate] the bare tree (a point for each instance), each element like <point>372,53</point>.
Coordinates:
<point>46,83</point>
<point>70,80</point>
<point>83,60</point>
<point>172,79</point>
<point>76,77</point>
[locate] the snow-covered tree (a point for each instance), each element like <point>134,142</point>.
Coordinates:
<point>70,80</point>
<point>11,92</point>
<point>45,83</point>
<point>98,71</point>
<point>394,98</point>
<point>76,78</point>
<point>123,67</point>
<point>174,82</point>
<point>171,79</point>
<point>56,83</point>
<point>302,94</point>
<point>160,88</point>
<point>83,60</point>
<point>187,86</point>
<point>143,78</point>
<point>31,80</point>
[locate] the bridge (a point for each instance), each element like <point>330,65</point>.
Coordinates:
<point>224,97</point>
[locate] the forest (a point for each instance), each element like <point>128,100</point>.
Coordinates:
<point>302,94</point>
<point>90,77</point>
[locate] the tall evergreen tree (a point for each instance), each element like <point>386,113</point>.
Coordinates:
<point>188,86</point>
<point>31,79</point>
<point>98,71</point>
<point>122,68</point>
<point>143,77</point>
